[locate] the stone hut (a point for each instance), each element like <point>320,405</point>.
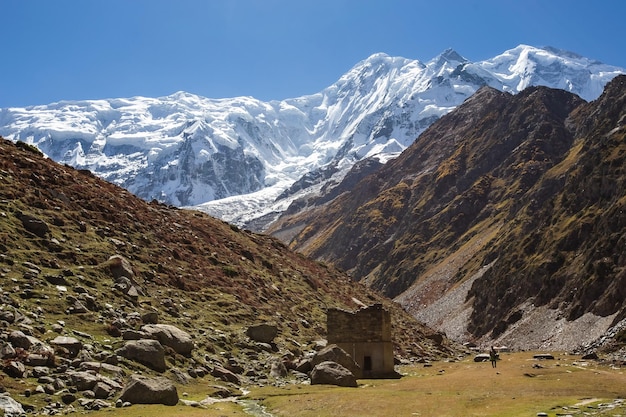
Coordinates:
<point>366,336</point>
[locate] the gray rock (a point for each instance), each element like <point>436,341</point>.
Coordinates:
<point>145,351</point>
<point>335,354</point>
<point>171,336</point>
<point>7,316</point>
<point>304,366</point>
<point>102,390</point>
<point>10,407</point>
<point>20,340</point>
<point>68,397</point>
<point>39,371</point>
<point>14,369</point>
<point>332,373</point>
<point>263,333</point>
<point>278,369</point>
<point>543,356</point>
<point>151,317</point>
<point>225,375</point>
<point>120,267</point>
<point>82,380</point>
<point>70,344</point>
<point>7,351</point>
<point>145,390</point>
<point>37,359</point>
<point>132,334</point>
<point>93,404</point>
<point>102,366</point>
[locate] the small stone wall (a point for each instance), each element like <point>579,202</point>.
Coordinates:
<point>370,324</point>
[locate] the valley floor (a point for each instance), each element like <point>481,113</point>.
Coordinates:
<point>519,386</point>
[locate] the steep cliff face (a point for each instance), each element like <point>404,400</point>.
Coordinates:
<point>567,249</point>
<point>509,201</point>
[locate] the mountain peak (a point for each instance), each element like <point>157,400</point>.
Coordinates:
<point>447,59</point>
<point>451,55</point>
<point>243,146</point>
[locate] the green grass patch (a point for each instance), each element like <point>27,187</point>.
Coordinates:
<point>520,386</point>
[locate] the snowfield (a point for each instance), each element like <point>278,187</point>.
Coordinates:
<point>234,157</point>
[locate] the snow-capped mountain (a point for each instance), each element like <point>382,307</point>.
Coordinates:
<point>242,158</point>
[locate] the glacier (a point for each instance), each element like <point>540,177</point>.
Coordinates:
<point>242,159</point>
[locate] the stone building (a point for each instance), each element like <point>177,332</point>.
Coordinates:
<point>366,336</point>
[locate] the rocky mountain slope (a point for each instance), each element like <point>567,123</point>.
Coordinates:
<point>248,160</point>
<point>86,268</point>
<point>504,221</point>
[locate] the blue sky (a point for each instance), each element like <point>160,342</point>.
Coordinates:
<point>268,49</point>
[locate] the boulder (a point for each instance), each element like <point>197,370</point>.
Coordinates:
<point>335,354</point>
<point>590,356</point>
<point>103,390</point>
<point>278,369</point>
<point>151,317</point>
<point>145,351</point>
<point>120,267</point>
<point>102,367</point>
<point>171,336</point>
<point>21,340</point>
<point>145,390</point>
<point>225,375</point>
<point>7,351</point>
<point>543,356</point>
<point>14,369</point>
<point>34,225</point>
<point>332,373</point>
<point>481,357</point>
<point>67,344</point>
<point>10,407</point>
<point>262,333</point>
<point>304,366</point>
<point>82,380</point>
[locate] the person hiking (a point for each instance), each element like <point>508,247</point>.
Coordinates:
<point>493,357</point>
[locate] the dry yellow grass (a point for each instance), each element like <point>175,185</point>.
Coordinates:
<point>519,386</point>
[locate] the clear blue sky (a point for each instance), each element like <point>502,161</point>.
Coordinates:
<point>268,49</point>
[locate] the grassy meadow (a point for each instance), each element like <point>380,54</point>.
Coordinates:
<point>519,386</point>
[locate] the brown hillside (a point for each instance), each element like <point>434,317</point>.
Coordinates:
<point>59,228</point>
<point>507,204</point>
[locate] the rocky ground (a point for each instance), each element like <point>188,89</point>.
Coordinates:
<point>99,287</point>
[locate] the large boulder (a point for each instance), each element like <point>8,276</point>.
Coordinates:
<point>83,381</point>
<point>335,354</point>
<point>120,267</point>
<point>145,351</point>
<point>171,336</point>
<point>124,276</point>
<point>14,369</point>
<point>86,380</point>
<point>10,407</point>
<point>262,333</point>
<point>146,390</point>
<point>68,344</point>
<point>332,373</point>
<point>34,225</point>
<point>21,340</point>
